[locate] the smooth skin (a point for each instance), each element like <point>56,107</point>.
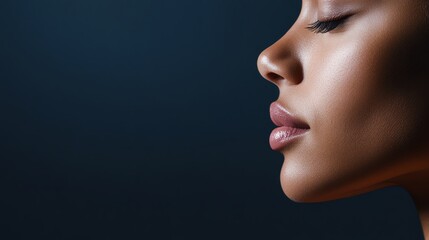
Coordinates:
<point>363,88</point>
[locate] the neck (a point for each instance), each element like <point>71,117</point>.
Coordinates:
<point>417,184</point>
<point>424,218</point>
<point>420,195</point>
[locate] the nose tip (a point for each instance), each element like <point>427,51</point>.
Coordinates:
<point>268,69</point>
<point>277,64</point>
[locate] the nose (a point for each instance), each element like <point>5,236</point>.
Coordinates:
<point>279,63</point>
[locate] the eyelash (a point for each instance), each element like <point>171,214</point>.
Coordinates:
<point>325,26</point>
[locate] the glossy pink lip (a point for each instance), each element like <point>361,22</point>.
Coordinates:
<point>289,127</point>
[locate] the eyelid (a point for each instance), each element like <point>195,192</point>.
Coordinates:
<point>324,26</point>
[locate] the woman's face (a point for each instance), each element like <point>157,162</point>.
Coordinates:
<point>360,83</point>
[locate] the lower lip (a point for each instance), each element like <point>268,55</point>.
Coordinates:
<point>284,136</point>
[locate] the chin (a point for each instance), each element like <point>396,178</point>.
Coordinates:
<point>299,193</point>
<point>304,187</point>
<point>302,184</point>
<point>297,187</point>
<point>310,193</point>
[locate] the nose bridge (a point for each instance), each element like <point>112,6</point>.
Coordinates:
<point>280,61</point>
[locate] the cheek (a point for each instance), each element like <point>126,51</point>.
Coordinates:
<point>372,93</point>
<point>362,119</point>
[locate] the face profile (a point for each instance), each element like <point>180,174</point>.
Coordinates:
<point>352,115</point>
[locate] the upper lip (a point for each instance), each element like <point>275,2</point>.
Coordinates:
<point>282,117</point>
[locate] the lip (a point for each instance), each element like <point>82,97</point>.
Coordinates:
<point>289,128</point>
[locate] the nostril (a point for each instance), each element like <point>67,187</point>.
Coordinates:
<point>273,76</point>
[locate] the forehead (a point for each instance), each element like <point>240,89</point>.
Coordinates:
<point>329,2</point>
<point>335,5</point>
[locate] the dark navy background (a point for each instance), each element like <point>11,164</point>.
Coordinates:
<point>147,119</point>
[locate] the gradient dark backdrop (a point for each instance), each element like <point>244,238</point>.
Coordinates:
<point>147,119</point>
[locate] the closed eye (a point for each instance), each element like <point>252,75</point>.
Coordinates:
<point>326,26</point>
